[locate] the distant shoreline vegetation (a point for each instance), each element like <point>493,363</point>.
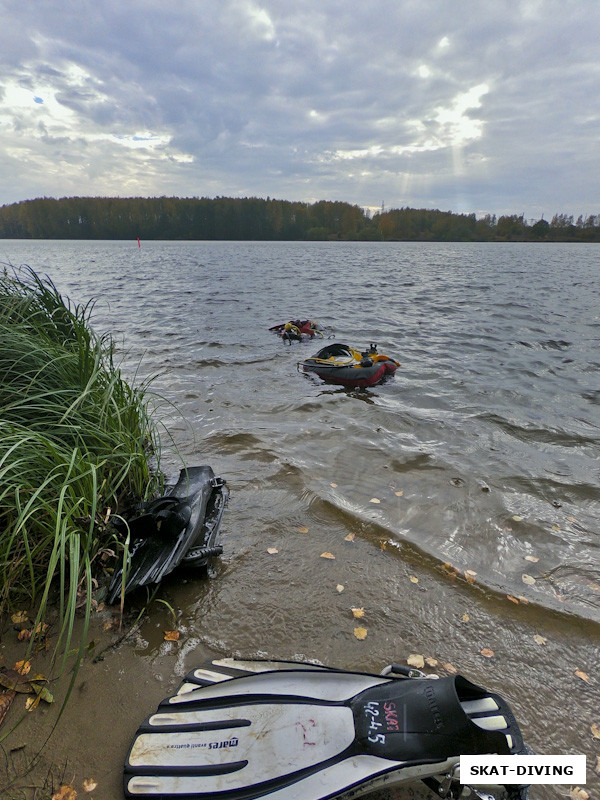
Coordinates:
<point>226,218</point>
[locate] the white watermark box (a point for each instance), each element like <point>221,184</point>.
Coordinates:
<point>482,770</point>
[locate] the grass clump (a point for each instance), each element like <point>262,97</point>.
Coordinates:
<point>75,442</point>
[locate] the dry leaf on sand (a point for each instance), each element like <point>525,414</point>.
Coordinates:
<point>6,699</point>
<point>65,792</point>
<point>575,793</point>
<point>449,668</point>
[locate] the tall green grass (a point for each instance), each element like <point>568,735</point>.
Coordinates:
<point>75,441</point>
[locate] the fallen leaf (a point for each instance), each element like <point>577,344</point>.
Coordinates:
<point>108,625</point>
<point>20,617</point>
<point>470,575</point>
<point>171,636</point>
<point>13,681</point>
<point>449,668</point>
<point>334,485</point>
<point>555,528</point>
<point>358,612</point>
<point>595,587</point>
<point>340,587</point>
<point>383,543</point>
<point>89,785</point>
<point>465,618</point>
<point>571,519</point>
<point>523,600</point>
<point>540,639</point>
<point>302,529</point>
<point>449,569</point>
<point>534,559</point>
<point>399,494</point>
<point>327,555</point>
<point>350,537</point>
<point>23,667</point>
<point>575,793</point>
<point>41,627</point>
<point>517,518</point>
<point>374,500</point>
<point>597,764</point>
<point>583,675</point>
<point>360,633</point>
<point>65,792</point>
<point>431,662</point>
<point>6,699</point>
<point>272,550</point>
<point>415,660</point>
<point>31,703</point>
<point>512,599</point>
<point>413,579</point>
<point>42,693</point>
<point>595,728</point>
<point>528,579</point>
<point>24,635</point>
<point>487,652</point>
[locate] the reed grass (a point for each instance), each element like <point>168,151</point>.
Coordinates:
<point>77,443</point>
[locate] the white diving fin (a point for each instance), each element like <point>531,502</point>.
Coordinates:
<point>244,730</point>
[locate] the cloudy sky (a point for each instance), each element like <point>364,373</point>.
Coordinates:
<point>463,105</point>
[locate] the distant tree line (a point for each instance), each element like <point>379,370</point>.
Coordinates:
<point>259,219</point>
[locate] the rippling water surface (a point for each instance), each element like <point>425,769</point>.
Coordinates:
<point>460,498</point>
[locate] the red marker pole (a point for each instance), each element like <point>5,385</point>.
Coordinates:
<point>139,243</point>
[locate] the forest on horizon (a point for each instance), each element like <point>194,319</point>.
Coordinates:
<point>227,218</point>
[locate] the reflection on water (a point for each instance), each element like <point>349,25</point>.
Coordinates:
<point>460,498</point>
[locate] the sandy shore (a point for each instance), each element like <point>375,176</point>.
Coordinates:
<point>110,698</point>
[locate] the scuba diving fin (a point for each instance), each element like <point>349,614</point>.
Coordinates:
<point>181,527</point>
<point>246,730</point>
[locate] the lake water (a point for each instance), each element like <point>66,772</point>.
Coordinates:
<point>460,499</point>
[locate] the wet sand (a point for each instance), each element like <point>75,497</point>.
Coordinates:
<point>110,699</point>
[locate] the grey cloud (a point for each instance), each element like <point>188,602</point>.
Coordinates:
<point>257,97</point>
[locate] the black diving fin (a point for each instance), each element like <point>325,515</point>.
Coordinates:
<point>181,527</point>
<point>247,730</point>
